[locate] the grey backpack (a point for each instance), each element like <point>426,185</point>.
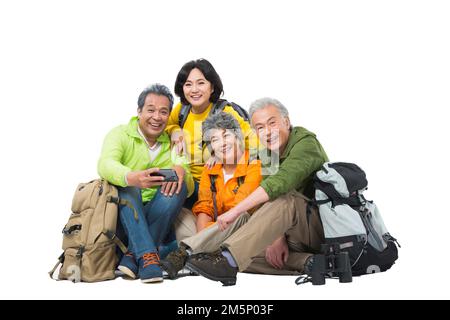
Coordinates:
<point>351,221</point>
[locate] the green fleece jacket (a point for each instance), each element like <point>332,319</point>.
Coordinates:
<point>124,150</point>
<point>301,158</point>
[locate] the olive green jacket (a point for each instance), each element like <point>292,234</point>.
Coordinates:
<point>301,158</point>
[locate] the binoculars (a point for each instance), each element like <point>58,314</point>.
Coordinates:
<point>331,263</point>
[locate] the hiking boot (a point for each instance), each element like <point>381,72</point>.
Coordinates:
<point>175,261</point>
<point>128,265</point>
<point>213,266</point>
<point>149,268</point>
<point>165,249</point>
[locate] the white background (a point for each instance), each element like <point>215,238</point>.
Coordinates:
<point>370,78</point>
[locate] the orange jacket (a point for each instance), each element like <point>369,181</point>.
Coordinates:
<point>230,194</point>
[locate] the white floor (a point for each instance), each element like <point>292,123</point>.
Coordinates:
<point>398,283</point>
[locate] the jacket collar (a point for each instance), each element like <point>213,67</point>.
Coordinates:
<point>241,169</point>
<point>296,134</point>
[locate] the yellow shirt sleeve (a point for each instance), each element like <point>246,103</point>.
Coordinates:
<point>172,124</point>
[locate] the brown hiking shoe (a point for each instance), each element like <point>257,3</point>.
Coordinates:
<point>213,266</point>
<point>174,262</point>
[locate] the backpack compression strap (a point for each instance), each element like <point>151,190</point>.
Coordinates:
<point>123,202</point>
<point>60,261</point>
<point>113,237</point>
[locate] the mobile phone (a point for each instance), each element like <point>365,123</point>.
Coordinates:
<point>169,175</point>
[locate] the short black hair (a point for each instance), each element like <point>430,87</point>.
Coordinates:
<point>158,89</point>
<point>208,71</point>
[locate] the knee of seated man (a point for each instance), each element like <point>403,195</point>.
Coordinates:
<point>130,193</point>
<point>175,199</point>
<point>181,195</point>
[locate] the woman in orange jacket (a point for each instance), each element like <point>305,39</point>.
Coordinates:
<point>232,178</point>
<point>222,187</point>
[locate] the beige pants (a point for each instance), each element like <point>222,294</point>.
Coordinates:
<point>185,225</point>
<point>285,215</point>
<point>247,238</point>
<point>211,238</point>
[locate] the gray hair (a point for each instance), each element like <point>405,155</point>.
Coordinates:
<point>265,102</point>
<point>158,89</point>
<point>221,120</point>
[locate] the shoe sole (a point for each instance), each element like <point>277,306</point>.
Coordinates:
<point>153,280</point>
<point>225,281</point>
<point>127,272</point>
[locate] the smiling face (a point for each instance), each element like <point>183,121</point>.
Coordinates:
<point>225,146</point>
<point>154,115</point>
<point>197,90</point>
<point>272,127</point>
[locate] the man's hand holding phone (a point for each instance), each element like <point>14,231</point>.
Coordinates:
<point>144,179</point>
<point>169,188</point>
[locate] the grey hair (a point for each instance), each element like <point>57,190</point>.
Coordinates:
<point>265,102</point>
<point>158,89</point>
<point>221,120</point>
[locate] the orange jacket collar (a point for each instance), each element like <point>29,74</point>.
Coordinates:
<point>241,169</point>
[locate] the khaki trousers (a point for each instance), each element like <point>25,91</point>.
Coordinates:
<point>284,215</point>
<point>209,239</point>
<point>185,225</point>
<point>248,237</point>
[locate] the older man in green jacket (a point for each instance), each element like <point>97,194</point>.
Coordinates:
<point>131,158</point>
<point>277,238</point>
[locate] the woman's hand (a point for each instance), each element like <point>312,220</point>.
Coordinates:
<point>177,141</point>
<point>224,220</point>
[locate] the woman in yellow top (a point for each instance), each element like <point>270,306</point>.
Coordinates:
<point>199,87</point>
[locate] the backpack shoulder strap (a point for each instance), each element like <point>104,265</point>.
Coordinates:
<point>212,179</point>
<point>219,106</point>
<point>222,103</point>
<point>240,180</point>
<point>184,113</point>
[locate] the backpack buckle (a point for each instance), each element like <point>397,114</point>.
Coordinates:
<point>80,252</point>
<point>113,199</point>
<point>109,234</point>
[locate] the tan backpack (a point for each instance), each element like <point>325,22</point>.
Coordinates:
<point>89,238</point>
